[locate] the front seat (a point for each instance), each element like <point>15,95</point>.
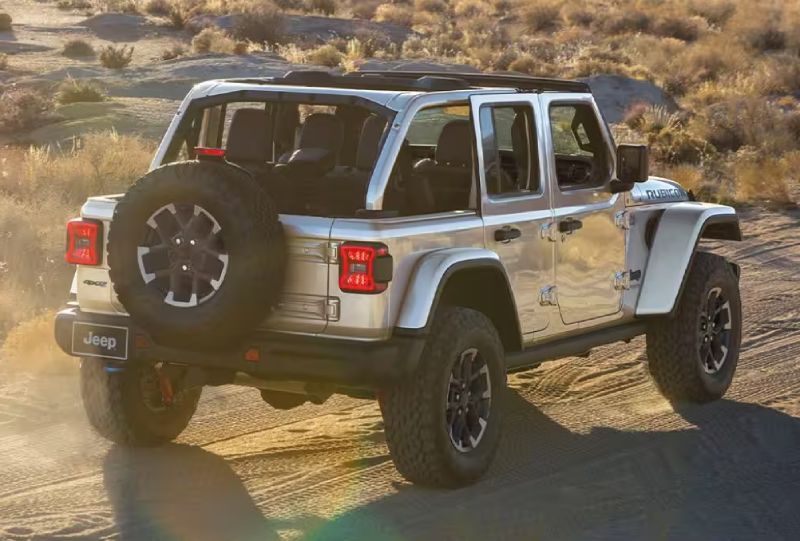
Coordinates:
<point>249,143</point>
<point>449,174</point>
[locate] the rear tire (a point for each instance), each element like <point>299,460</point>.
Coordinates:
<point>437,435</point>
<point>693,358</point>
<point>122,406</point>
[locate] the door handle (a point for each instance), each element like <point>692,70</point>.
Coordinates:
<point>569,226</point>
<point>507,234</point>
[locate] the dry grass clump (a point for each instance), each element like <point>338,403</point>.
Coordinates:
<point>5,22</point>
<point>77,48</point>
<point>326,55</point>
<point>173,52</point>
<point>764,178</point>
<point>542,15</point>
<point>160,8</point>
<point>40,189</point>
<point>260,23</point>
<point>23,109</point>
<point>76,91</point>
<point>326,7</point>
<point>3,61</point>
<point>116,57</point>
<point>213,40</point>
<point>395,13</point>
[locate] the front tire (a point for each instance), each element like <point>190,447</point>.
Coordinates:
<point>692,355</point>
<point>443,424</point>
<point>127,406</point>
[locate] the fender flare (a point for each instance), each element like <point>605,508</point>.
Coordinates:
<point>430,277</point>
<point>679,229</point>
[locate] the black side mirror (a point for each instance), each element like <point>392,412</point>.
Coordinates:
<point>633,163</point>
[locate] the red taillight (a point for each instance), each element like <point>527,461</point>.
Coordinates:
<point>364,268</point>
<point>208,152</point>
<point>83,242</point>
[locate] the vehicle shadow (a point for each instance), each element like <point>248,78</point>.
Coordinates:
<point>736,475</point>
<point>180,492</point>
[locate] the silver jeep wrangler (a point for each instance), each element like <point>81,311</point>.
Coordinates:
<point>406,236</point>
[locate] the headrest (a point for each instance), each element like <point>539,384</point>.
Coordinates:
<point>369,142</point>
<point>321,130</point>
<point>249,136</point>
<point>454,147</point>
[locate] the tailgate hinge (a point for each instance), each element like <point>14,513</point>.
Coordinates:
<point>332,309</point>
<point>332,252</point>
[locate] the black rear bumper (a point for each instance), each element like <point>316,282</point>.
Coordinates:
<point>281,356</point>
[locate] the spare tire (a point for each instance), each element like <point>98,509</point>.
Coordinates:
<point>196,254</point>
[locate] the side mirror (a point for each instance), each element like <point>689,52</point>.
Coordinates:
<point>633,163</point>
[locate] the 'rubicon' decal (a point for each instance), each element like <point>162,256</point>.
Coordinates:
<point>665,193</point>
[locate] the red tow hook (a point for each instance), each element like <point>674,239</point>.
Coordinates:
<point>167,394</point>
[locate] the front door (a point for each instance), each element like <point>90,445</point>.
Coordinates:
<point>515,202</point>
<point>590,246</point>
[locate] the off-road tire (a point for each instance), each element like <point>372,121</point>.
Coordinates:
<point>414,411</point>
<point>253,239</point>
<point>116,408</point>
<point>673,342</point>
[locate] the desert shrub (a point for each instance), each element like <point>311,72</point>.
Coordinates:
<point>177,17</point>
<point>260,23</point>
<point>705,61</point>
<point>470,9</point>
<point>116,57</point>
<point>395,13</point>
<point>158,7</point>
<point>577,15</point>
<point>119,6</point>
<point>74,4</point>
<point>23,109</point>
<point>716,12</point>
<point>41,189</point>
<point>326,55</point>
<point>173,52</point>
<point>677,26</point>
<point>3,61</point>
<point>760,32</point>
<point>744,121</point>
<point>542,15</point>
<point>431,6</point>
<point>5,22</point>
<point>623,21</point>
<point>326,7</point>
<point>524,63</point>
<point>763,178</point>
<point>73,90</point>
<point>213,40</point>
<point>77,48</point>
<point>365,9</point>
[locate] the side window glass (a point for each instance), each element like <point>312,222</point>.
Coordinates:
<point>510,152</point>
<point>581,154</point>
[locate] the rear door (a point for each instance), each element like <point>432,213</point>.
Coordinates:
<point>515,202</point>
<point>590,244</point>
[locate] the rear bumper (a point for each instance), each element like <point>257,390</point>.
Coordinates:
<point>281,356</point>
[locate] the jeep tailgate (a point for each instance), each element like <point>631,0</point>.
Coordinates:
<point>303,307</point>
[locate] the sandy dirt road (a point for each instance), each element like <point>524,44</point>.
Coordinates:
<point>590,451</point>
